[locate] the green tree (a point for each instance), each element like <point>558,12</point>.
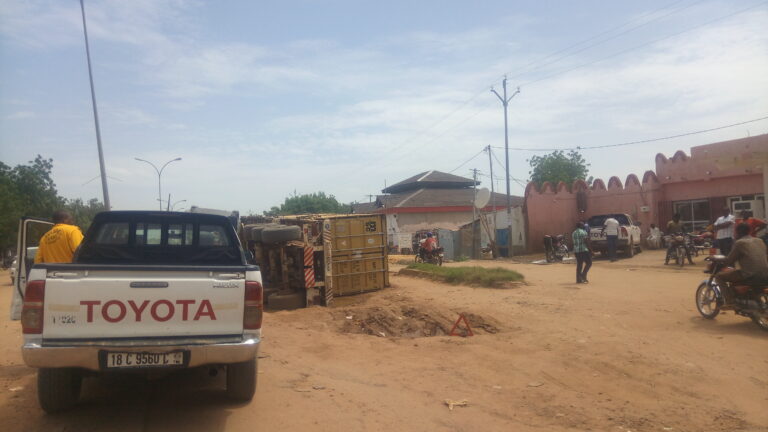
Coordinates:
<point>317,202</point>
<point>83,212</point>
<point>558,166</point>
<point>29,190</point>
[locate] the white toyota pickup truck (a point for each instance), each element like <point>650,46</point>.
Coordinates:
<point>146,291</point>
<point>629,238</point>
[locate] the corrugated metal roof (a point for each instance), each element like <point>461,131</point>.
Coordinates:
<point>442,198</point>
<point>430,179</point>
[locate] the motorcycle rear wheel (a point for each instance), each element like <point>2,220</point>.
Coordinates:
<point>707,301</point>
<point>761,318</point>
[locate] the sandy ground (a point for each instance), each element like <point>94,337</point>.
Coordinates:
<point>627,352</point>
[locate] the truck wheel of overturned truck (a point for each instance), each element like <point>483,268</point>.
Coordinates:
<point>287,301</point>
<point>280,234</point>
<point>241,380</point>
<point>58,389</point>
<point>257,230</point>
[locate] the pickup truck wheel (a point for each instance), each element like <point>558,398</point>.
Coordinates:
<point>58,389</point>
<point>241,380</point>
<point>630,248</point>
<point>280,234</point>
<point>287,301</point>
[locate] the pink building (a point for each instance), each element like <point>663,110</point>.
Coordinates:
<point>699,186</point>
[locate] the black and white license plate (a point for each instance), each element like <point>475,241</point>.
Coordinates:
<point>122,360</point>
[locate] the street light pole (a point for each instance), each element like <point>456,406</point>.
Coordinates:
<point>159,175</point>
<point>505,101</point>
<point>173,206</point>
<point>104,187</point>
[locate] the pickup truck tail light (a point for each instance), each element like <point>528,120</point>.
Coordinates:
<point>32,308</point>
<point>624,232</point>
<point>253,309</point>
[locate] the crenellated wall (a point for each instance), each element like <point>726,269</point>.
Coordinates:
<point>713,172</point>
<point>552,210</point>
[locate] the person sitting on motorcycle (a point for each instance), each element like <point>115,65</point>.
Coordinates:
<point>430,244</point>
<point>755,224</point>
<point>751,255</point>
<point>674,227</point>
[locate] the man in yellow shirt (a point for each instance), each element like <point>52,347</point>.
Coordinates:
<point>59,244</point>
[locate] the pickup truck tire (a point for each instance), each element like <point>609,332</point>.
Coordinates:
<point>241,380</point>
<point>58,389</point>
<point>287,301</point>
<point>280,234</point>
<point>630,252</point>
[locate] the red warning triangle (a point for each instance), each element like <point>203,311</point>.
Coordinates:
<point>456,326</point>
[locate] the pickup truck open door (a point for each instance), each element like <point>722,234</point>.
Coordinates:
<point>30,231</point>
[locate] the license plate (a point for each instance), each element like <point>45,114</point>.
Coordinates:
<point>118,360</point>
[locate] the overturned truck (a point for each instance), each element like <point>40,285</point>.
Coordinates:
<point>310,259</point>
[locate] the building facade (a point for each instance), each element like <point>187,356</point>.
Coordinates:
<point>436,200</point>
<point>725,174</point>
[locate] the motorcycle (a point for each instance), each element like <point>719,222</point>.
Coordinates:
<point>679,247</point>
<point>750,301</point>
<point>556,249</point>
<point>430,257</point>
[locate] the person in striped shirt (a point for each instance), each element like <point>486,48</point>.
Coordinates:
<point>582,250</point>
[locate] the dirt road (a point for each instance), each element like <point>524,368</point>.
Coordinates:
<point>627,352</point>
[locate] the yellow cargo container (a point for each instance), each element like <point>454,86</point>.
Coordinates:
<point>349,254</point>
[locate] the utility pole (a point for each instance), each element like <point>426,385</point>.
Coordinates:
<point>104,188</point>
<point>370,198</point>
<point>505,102</point>
<point>474,212</point>
<point>493,204</point>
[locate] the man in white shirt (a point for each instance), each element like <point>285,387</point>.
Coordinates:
<point>611,230</point>
<point>654,237</point>
<point>724,232</point>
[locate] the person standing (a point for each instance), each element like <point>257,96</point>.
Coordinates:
<point>611,230</point>
<point>724,231</point>
<point>581,249</point>
<point>58,245</point>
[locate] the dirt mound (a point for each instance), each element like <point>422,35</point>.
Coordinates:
<point>410,321</point>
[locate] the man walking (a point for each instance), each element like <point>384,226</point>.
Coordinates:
<point>611,230</point>
<point>59,244</point>
<point>724,232</point>
<point>582,251</point>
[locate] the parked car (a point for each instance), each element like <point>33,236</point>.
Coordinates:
<point>146,291</point>
<point>629,239</point>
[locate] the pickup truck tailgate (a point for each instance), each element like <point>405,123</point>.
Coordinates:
<point>102,304</point>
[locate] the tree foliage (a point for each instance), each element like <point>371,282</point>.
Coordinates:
<point>313,203</point>
<point>29,190</point>
<point>558,166</point>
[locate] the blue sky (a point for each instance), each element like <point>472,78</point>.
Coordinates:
<point>261,100</point>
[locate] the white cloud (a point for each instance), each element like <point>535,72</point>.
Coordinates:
<point>21,115</point>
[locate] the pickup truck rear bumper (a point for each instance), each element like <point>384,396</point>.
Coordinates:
<point>87,356</point>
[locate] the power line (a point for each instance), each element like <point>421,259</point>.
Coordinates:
<point>637,142</point>
<point>536,65</point>
<point>467,161</point>
<point>600,42</point>
<point>616,54</point>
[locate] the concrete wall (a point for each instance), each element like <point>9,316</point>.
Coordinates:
<point>713,172</point>
<point>554,210</point>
